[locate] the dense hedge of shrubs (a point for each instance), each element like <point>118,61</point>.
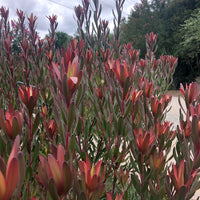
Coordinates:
<point>88,121</point>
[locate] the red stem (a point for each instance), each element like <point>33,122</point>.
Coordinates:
<point>29,158</point>
<point>158,183</point>
<point>67,142</point>
<point>30,137</point>
<point>122,108</point>
<point>142,178</point>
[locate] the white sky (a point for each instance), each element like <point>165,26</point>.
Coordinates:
<point>64,9</point>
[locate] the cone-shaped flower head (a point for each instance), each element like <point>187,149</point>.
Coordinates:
<point>144,140</point>
<point>29,96</point>
<point>11,122</point>
<point>177,176</point>
<point>146,86</point>
<point>9,180</point>
<point>55,172</point>
<point>68,77</point>
<point>121,71</point>
<point>91,175</point>
<point>158,106</point>
<point>157,161</point>
<point>190,93</point>
<point>118,196</point>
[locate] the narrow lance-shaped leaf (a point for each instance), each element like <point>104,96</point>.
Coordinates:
<point>195,131</point>
<point>71,116</point>
<point>12,174</point>
<point>52,190</point>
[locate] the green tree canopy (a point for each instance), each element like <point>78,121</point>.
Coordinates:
<point>164,18</point>
<point>62,39</point>
<point>190,32</point>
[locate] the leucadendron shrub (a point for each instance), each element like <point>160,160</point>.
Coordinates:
<point>88,121</point>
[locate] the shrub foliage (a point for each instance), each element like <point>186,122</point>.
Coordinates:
<point>87,121</point>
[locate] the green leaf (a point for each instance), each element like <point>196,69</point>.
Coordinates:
<point>195,130</point>
<point>126,87</point>
<point>52,190</point>
<point>15,127</point>
<point>181,193</point>
<point>72,143</point>
<point>36,123</point>
<point>63,116</point>
<point>67,177</point>
<point>2,166</point>
<point>65,88</point>
<point>22,171</point>
<point>79,127</point>
<point>80,93</point>
<point>128,108</point>
<point>83,155</point>
<point>83,196</point>
<point>197,162</point>
<point>71,116</point>
<point>136,183</point>
<point>120,125</point>
<point>29,173</point>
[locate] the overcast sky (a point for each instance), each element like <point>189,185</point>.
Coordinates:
<point>64,9</point>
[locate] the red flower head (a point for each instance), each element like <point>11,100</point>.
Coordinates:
<point>186,128</point>
<point>146,86</point>
<point>79,14</point>
<point>68,77</point>
<point>122,176</point>
<point>190,93</point>
<point>53,20</point>
<point>157,106</point>
<point>169,62</point>
<point>4,13</point>
<point>165,99</point>
<point>44,112</point>
<point>164,129</point>
<point>29,96</point>
<point>177,176</point>
<point>142,64</point>
<point>12,122</point>
<point>91,176</point>
<point>32,19</point>
<point>55,172</point>
<point>144,140</point>
<point>117,197</point>
<point>99,92</point>
<point>50,55</point>
<point>121,71</point>
<point>157,160</point>
<point>9,180</point>
<point>134,55</point>
<point>136,95</point>
<point>51,128</point>
<point>21,15</point>
<point>195,110</point>
<point>151,40</point>
<point>88,56</point>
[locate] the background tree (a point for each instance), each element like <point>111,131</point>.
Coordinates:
<point>144,18</point>
<point>190,33</point>
<point>62,39</point>
<point>163,17</point>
